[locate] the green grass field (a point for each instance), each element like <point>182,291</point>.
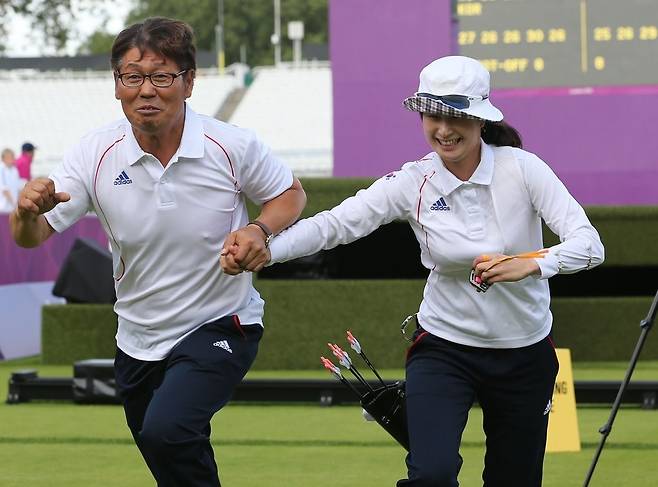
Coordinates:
<point>62,444</point>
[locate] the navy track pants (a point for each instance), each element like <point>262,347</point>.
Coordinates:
<point>513,387</point>
<point>169,403</point>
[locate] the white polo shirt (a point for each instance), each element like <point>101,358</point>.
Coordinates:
<point>167,225</point>
<point>498,210</point>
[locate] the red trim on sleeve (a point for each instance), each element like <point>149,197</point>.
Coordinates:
<point>98,202</point>
<point>230,163</point>
<point>236,186</point>
<point>420,199</point>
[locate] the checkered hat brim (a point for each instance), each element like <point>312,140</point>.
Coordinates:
<point>424,104</point>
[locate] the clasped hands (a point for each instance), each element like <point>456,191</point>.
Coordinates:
<point>244,250</point>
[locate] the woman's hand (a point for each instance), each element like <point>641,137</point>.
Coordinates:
<point>504,268</point>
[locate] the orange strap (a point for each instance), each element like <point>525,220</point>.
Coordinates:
<point>538,254</point>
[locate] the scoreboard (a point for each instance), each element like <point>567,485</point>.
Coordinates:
<point>575,43</point>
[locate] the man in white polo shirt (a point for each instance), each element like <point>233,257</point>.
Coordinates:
<point>168,186</point>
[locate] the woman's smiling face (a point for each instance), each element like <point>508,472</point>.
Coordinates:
<point>455,140</point>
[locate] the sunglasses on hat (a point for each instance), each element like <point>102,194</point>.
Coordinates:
<point>460,102</point>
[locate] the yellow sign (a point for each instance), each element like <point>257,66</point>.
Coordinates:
<point>563,421</point>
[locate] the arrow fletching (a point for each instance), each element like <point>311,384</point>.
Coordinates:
<point>354,343</point>
<point>329,365</point>
<point>341,355</point>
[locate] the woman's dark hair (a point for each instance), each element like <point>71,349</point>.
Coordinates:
<point>501,133</point>
<point>168,38</point>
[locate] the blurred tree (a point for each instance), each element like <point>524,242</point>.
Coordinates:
<point>54,19</point>
<point>200,14</point>
<point>100,42</point>
<point>248,25</point>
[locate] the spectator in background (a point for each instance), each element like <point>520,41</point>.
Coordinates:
<point>24,162</point>
<point>10,182</point>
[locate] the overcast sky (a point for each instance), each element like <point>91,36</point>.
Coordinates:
<point>23,43</point>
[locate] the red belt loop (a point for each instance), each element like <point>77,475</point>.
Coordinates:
<point>236,322</point>
<point>418,339</point>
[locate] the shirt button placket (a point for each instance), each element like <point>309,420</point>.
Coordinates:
<point>475,220</point>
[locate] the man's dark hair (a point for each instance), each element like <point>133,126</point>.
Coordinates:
<point>172,39</point>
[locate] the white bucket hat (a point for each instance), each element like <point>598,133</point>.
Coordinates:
<point>456,86</point>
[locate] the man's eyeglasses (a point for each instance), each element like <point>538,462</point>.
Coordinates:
<point>159,80</point>
<point>460,102</point>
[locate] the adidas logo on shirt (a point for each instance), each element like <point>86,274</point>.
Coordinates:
<point>122,179</point>
<point>223,344</point>
<point>440,205</point>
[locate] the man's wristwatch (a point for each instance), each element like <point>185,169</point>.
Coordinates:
<point>268,233</point>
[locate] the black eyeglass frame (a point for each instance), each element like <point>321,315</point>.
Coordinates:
<point>460,102</point>
<point>171,76</point>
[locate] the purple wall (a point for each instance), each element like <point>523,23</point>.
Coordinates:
<point>600,141</point>
<point>377,49</point>
<point>18,265</point>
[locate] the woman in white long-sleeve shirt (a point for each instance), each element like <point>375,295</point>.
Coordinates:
<point>472,201</point>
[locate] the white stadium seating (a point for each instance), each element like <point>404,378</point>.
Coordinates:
<point>291,109</point>
<point>53,110</point>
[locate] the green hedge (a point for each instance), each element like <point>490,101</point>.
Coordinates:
<point>602,328</point>
<point>302,316</point>
<point>629,234</point>
<point>324,193</point>
<point>74,332</point>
